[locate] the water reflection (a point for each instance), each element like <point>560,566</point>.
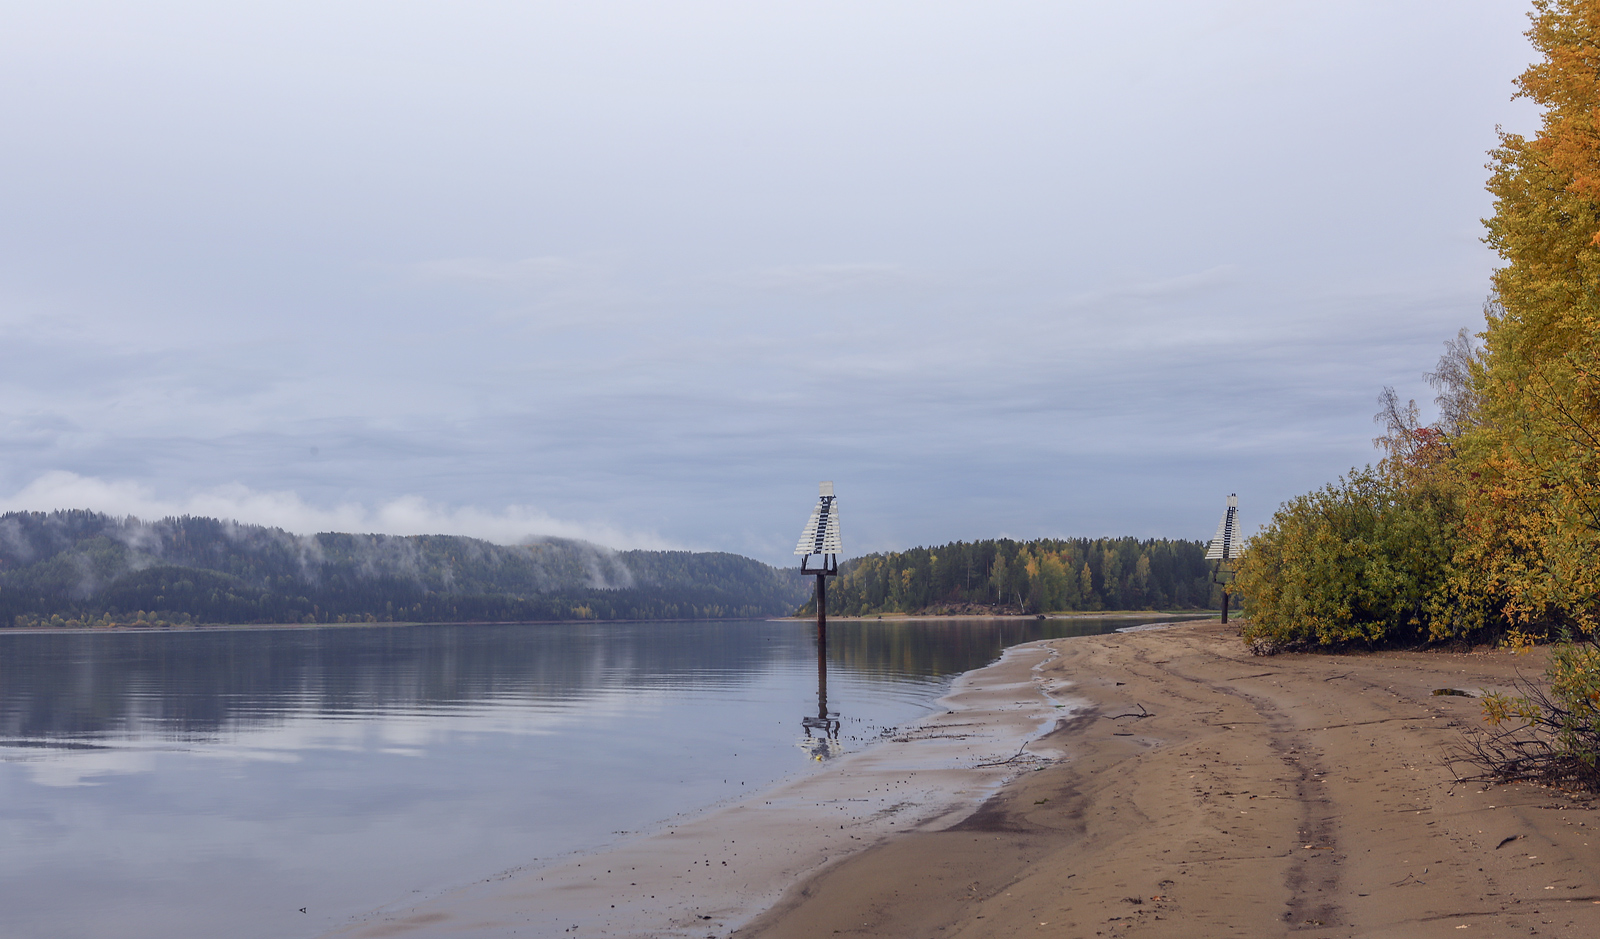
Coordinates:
<point>194,686</point>
<point>821,738</point>
<point>199,784</point>
<point>74,690</point>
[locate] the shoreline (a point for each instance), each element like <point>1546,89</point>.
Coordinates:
<point>941,617</point>
<point>895,617</point>
<point>716,870</point>
<point>1209,792</point>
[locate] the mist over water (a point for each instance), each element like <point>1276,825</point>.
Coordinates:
<point>196,784</point>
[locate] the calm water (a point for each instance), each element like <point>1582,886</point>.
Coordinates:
<point>186,784</point>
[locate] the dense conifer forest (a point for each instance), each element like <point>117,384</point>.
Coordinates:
<point>1006,576</point>
<point>79,568</point>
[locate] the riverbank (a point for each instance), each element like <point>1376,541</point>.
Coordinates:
<point>1206,792</point>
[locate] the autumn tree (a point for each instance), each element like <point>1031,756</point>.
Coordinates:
<point>1488,517</point>
<point>1535,451</point>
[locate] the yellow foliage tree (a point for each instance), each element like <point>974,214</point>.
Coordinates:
<point>1532,461</point>
<point>1530,466</point>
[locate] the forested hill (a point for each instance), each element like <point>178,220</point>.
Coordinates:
<point>1026,577</point>
<point>85,568</point>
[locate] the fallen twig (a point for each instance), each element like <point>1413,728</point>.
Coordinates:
<point>1142,714</point>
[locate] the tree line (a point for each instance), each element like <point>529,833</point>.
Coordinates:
<point>1008,576</point>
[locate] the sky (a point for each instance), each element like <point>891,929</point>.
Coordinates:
<point>643,273</point>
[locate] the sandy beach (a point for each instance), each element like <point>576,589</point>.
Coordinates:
<point>1161,782</point>
<point>1207,792</point>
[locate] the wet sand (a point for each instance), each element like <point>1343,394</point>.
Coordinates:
<point>1205,792</point>
<point>711,874</point>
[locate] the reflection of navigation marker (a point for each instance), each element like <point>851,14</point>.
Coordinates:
<point>1225,547</point>
<point>821,537</point>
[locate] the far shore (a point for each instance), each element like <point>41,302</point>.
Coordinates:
<point>1074,614</point>
<point>220,627</point>
<point>185,628</point>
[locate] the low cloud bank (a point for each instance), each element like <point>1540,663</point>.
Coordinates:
<point>406,515</point>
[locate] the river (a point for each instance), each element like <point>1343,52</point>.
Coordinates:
<point>272,783</point>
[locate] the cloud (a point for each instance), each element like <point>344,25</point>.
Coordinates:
<point>406,515</point>
<point>535,270</point>
<point>1183,285</point>
<point>827,278</point>
<point>1045,270</point>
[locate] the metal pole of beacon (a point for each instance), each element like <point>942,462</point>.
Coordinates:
<point>822,646</point>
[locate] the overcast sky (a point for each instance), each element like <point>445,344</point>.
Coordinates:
<point>645,272</point>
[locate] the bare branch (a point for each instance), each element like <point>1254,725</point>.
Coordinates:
<point>1453,378</point>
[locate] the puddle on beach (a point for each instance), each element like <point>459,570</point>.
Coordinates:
<point>194,784</point>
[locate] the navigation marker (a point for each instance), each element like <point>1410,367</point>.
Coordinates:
<point>1225,544</point>
<point>1225,547</point>
<point>821,534</point>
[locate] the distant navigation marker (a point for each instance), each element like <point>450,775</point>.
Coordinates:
<point>1225,544</point>
<point>821,538</point>
<point>1225,548</point>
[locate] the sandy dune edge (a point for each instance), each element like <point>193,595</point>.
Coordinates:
<point>709,875</point>
<point>1298,794</point>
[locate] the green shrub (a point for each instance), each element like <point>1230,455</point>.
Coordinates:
<point>1364,562</point>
